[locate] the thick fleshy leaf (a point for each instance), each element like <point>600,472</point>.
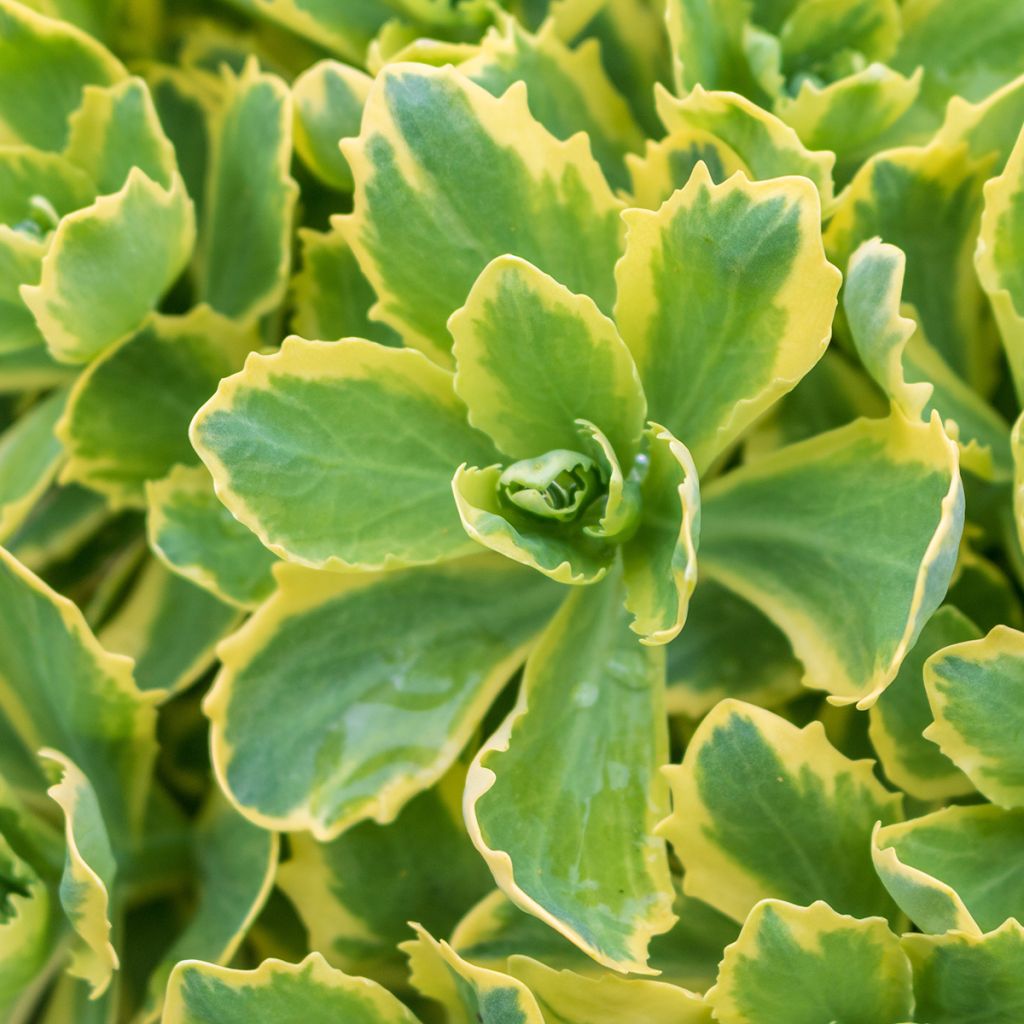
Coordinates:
<point>846,542</point>
<point>939,868</point>
<point>88,878</point>
<point>469,994</point>
<point>999,256</point>
<point>893,349</point>
<point>564,556</point>
<point>725,300</point>
<point>32,369</point>
<point>687,955</point>
<point>964,52</point>
<point>235,865</point>
<point>356,894</point>
<point>706,664</point>
<point>568,88</point>
<point>329,98</point>
<point>374,433</point>
<point>816,29</point>
<point>116,129</point>
<point>30,456</point>
<point>345,695</point>
<point>927,201</point>
<point>707,44</point>
<point>128,414</point>
<point>902,714</point>
<point>21,261</point>
<point>590,722</point>
<point>200,539</point>
<point>244,251</point>
<point>806,965</point>
<point>60,688</point>
<point>44,66</point>
<point>312,992</point>
<point>667,163</point>
<point>851,115</point>
<point>975,691</point>
<point>170,627</point>
<point>330,293</point>
<point>568,998</point>
<point>764,810</point>
<point>532,358</point>
<point>26,933</point>
<point>59,522</point>
<point>766,145</point>
<point>432,208</point>
<point>108,266</point>
<point>660,560</point>
<point>836,392</point>
<point>960,978</point>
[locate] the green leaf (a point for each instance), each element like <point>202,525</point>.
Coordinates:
<point>329,98</point>
<point>998,257</point>
<point>706,37</point>
<point>331,296</point>
<point>846,542</point>
<point>30,456</point>
<point>660,560</point>
<point>582,747</point>
<point>356,893</point>
<point>21,261</point>
<point>817,32</point>
<point>804,965</point>
<point>927,201</point>
<point>763,810</point>
<point>235,866</point>
<point>116,129</point>
<point>128,414</point>
<point>376,433</point>
<point>57,525</point>
<point>687,955</point>
<point>668,163</point>
<point>469,994</point>
<point>974,689</point>
<point>705,664</point>
<point>26,933</point>
<point>851,116</point>
<point>966,979</point>
<point>765,144</point>
<point>726,288</point>
<point>197,537</point>
<point>344,696</point>
<point>532,359</point>
<point>108,266</point>
<point>568,998</point>
<point>61,689</point>
<point>44,66</point>
<point>939,868</point>
<point>964,52</point>
<point>892,348</point>
<point>902,714</point>
<point>88,878</point>
<point>244,251</point>
<point>310,991</point>
<point>170,627</point>
<point>569,89</point>
<point>32,369</point>
<point>28,175</point>
<point>432,208</point>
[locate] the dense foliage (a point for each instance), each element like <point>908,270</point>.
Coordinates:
<point>605,605</point>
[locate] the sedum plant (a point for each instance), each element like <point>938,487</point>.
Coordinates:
<point>511,512</point>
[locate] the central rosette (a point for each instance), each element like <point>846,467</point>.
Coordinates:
<point>561,485</point>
